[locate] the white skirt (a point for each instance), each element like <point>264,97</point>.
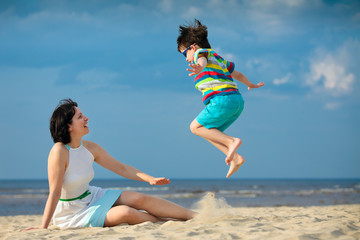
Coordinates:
<point>89,211</point>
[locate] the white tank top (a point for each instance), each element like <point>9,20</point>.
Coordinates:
<point>79,172</point>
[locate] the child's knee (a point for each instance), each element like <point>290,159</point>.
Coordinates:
<point>193,129</point>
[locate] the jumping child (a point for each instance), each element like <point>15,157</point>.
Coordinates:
<point>214,78</point>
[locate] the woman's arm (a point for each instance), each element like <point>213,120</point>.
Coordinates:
<point>57,162</point>
<point>105,160</point>
<point>58,159</point>
<point>241,78</point>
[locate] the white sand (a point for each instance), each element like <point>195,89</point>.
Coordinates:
<point>216,220</point>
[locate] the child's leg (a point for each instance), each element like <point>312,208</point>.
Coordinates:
<point>213,134</point>
<point>235,163</point>
<point>223,142</point>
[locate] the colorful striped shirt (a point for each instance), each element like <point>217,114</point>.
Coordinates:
<point>215,79</point>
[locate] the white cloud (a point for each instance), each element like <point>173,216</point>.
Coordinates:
<point>50,18</point>
<point>26,77</point>
<point>293,3</point>
<point>191,12</point>
<point>166,6</point>
<point>229,56</point>
<point>266,4</point>
<point>275,17</point>
<point>330,76</point>
<point>332,72</point>
<point>97,78</point>
<point>226,55</point>
<point>257,64</point>
<point>356,17</point>
<point>283,80</point>
<point>332,105</point>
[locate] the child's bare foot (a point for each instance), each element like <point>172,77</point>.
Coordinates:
<point>232,149</point>
<point>235,164</point>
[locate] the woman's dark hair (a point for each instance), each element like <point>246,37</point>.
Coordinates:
<point>60,120</point>
<point>190,34</point>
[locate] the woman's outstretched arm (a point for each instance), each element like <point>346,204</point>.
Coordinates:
<point>105,160</point>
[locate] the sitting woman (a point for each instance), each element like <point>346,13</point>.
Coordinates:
<point>73,203</point>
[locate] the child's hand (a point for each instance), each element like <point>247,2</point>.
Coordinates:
<point>260,84</point>
<point>196,68</point>
<point>159,181</point>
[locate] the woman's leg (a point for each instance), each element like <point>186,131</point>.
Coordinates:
<point>155,206</point>
<point>124,214</point>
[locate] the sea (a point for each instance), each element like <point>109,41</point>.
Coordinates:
<point>28,197</point>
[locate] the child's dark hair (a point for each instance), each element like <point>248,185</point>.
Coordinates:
<point>190,34</point>
<point>60,120</point>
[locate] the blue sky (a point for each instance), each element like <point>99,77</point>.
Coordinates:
<point>119,61</point>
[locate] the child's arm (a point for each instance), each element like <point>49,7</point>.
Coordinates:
<point>241,78</point>
<point>197,68</point>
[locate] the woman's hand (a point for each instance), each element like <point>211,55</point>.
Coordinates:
<point>159,181</point>
<point>32,228</point>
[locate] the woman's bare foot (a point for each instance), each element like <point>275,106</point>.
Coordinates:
<point>232,149</point>
<point>235,164</point>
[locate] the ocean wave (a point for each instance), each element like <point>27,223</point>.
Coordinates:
<point>144,189</point>
<point>179,195</point>
<point>221,193</point>
<point>25,190</point>
<point>241,193</point>
<point>252,191</point>
<point>35,190</point>
<point>325,191</point>
<point>24,196</point>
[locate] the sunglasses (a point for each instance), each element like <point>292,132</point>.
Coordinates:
<point>184,52</point>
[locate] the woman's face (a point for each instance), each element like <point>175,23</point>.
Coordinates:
<point>79,124</point>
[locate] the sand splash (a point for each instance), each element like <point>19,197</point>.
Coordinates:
<point>212,209</point>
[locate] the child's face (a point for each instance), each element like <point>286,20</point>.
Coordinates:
<point>189,52</point>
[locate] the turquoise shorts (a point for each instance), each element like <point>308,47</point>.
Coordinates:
<point>221,111</point>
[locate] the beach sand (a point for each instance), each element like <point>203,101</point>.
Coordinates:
<point>216,220</point>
